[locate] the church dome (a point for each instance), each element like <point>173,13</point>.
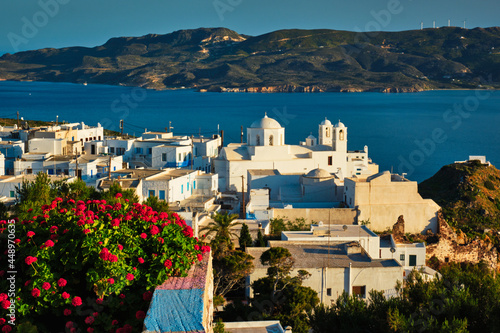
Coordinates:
<point>326,122</point>
<point>339,124</point>
<point>265,122</point>
<point>318,173</point>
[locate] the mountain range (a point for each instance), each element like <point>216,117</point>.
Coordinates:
<point>219,59</point>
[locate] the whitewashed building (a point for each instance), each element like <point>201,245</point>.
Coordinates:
<point>266,150</point>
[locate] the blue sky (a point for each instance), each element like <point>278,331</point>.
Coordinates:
<point>59,23</point>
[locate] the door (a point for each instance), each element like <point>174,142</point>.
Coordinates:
<point>413,260</point>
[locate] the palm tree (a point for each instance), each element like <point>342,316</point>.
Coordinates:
<point>220,228</point>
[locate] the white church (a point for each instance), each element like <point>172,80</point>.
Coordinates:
<point>266,150</point>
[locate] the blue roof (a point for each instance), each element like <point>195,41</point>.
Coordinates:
<point>175,311</point>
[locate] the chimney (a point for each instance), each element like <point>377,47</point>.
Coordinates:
<point>288,329</point>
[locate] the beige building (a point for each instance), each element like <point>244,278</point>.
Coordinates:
<point>383,197</point>
<point>335,267</point>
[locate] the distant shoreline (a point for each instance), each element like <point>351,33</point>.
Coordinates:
<point>261,90</point>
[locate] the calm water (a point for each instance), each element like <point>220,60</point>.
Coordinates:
<point>414,133</point>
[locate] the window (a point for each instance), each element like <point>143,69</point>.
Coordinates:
<point>271,140</point>
<point>258,140</point>
<point>327,131</point>
<point>164,157</point>
<point>138,150</point>
<point>12,194</point>
<point>359,291</point>
<point>194,184</point>
<point>151,193</point>
<point>162,195</point>
<point>187,186</point>
<point>341,135</point>
<point>402,257</point>
<point>180,157</point>
<point>328,291</point>
<point>330,160</point>
<point>112,150</point>
<point>182,189</point>
<point>150,151</point>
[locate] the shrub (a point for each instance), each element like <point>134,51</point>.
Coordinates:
<point>489,185</point>
<point>91,266</point>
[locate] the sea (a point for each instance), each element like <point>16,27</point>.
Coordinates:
<point>411,133</point>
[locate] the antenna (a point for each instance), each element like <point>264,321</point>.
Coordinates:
<point>449,22</point>
<point>434,24</point>
<point>464,22</point>
<point>421,25</point>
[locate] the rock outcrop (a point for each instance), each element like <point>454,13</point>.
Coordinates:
<point>451,247</point>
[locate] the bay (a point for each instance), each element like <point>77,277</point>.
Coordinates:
<point>415,133</point>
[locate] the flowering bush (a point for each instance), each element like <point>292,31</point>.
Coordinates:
<point>92,266</point>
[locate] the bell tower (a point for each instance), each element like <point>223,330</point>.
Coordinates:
<point>340,138</point>
<point>325,132</point>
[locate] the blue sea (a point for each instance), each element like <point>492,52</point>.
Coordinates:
<point>414,133</point>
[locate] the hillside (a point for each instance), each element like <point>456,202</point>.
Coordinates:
<point>219,59</point>
<point>469,194</point>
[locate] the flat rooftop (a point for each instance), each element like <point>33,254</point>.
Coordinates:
<point>172,174</point>
<point>334,231</point>
<point>321,254</point>
<point>134,173</point>
<point>263,172</point>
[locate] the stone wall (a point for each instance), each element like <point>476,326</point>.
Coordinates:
<point>453,247</point>
<point>327,215</point>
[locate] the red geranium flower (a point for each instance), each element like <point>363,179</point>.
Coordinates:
<point>30,234</point>
<point>154,230</point>
<point>77,301</point>
<point>118,195</point>
<point>130,277</point>
<point>111,280</point>
<point>49,243</point>
<point>5,304</point>
<point>65,295</point>
<point>35,292</point>
<point>67,312</point>
<point>46,286</point>
<point>167,263</point>
<point>140,260</point>
<point>29,260</point>
<point>147,296</point>
<point>61,282</point>
<point>144,236</point>
<point>140,314</point>
<point>89,320</point>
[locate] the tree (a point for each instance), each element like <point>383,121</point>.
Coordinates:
<point>281,262</point>
<point>220,229</point>
<point>287,300</point>
<point>260,242</point>
<point>156,204</point>
<point>230,271</point>
<point>245,237</point>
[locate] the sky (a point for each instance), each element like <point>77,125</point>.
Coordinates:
<point>34,24</point>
